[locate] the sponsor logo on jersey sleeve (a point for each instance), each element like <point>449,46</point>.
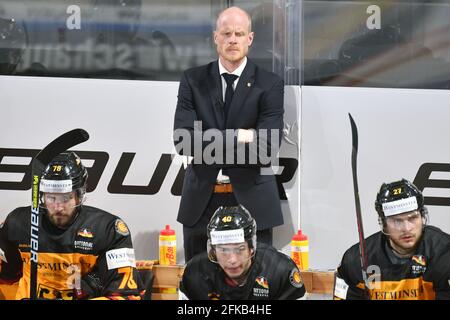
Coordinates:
<point>122,228</point>
<point>340,288</point>
<point>296,278</point>
<point>118,258</point>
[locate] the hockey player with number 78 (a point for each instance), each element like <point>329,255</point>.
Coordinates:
<point>83,252</point>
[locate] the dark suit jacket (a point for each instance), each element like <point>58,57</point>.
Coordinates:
<point>257,103</point>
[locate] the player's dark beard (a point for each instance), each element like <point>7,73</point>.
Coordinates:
<point>77,211</point>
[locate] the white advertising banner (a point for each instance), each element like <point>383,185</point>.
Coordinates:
<point>133,168</point>
<point>128,152</point>
<point>134,172</point>
<point>402,134</point>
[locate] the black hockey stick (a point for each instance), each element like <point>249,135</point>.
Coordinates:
<point>54,148</point>
<point>362,241</point>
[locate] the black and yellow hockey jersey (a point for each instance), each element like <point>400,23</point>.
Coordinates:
<point>423,276</point>
<point>272,276</point>
<point>94,253</point>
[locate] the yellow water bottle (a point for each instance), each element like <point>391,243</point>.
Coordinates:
<point>300,250</point>
<point>167,247</point>
<point>167,252</point>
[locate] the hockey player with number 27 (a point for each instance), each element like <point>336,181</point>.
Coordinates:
<point>407,259</point>
<point>84,252</point>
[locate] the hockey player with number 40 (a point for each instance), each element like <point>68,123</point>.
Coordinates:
<point>407,259</point>
<point>234,267</point>
<point>84,252</point>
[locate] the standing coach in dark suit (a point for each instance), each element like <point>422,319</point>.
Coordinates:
<point>229,94</point>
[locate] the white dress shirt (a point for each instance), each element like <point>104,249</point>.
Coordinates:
<point>221,178</point>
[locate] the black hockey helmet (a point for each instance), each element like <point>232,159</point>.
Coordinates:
<point>226,220</point>
<point>399,197</point>
<point>65,173</point>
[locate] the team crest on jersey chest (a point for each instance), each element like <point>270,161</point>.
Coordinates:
<point>261,287</point>
<point>419,265</point>
<point>84,239</point>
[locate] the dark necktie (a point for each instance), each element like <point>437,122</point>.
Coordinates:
<point>229,79</point>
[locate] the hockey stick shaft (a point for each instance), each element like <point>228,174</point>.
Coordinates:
<point>362,241</point>
<point>60,144</point>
